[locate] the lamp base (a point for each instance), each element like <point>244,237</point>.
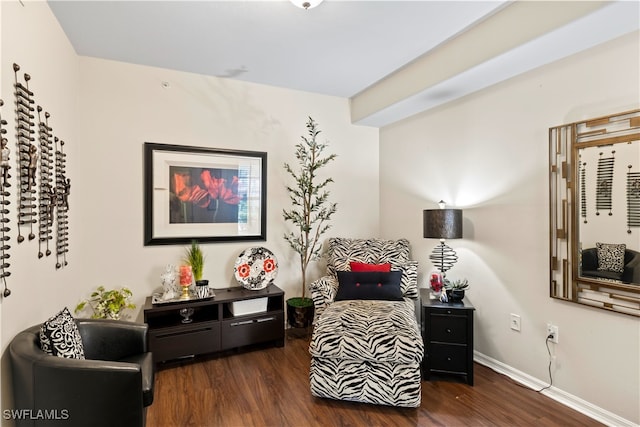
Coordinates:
<point>443,257</point>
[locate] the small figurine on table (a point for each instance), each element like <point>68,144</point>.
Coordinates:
<point>168,283</point>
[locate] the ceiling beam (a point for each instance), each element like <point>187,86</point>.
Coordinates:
<point>507,29</point>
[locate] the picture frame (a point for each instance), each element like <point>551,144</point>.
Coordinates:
<point>203,194</point>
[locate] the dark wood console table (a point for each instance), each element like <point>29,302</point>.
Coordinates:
<point>213,327</point>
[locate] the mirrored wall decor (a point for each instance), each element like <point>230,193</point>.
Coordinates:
<point>594,194</point>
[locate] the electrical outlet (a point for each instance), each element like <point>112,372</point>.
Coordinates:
<point>553,331</point>
<point>515,322</point>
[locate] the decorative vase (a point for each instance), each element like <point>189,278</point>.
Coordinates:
<point>186,314</point>
<point>202,288</point>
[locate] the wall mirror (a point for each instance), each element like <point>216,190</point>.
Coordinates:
<point>594,189</point>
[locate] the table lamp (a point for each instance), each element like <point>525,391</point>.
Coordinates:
<point>442,224</point>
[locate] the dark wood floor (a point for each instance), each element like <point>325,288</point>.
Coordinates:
<point>270,387</point>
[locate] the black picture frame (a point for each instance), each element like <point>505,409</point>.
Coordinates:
<point>203,194</point>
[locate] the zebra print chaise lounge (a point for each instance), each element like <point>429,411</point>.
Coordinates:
<point>367,350</point>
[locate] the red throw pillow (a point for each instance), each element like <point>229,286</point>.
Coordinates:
<point>361,266</point>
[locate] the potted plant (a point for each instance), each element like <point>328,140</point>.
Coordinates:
<point>195,258</point>
<point>309,214</point>
<point>455,289</point>
<point>107,304</point>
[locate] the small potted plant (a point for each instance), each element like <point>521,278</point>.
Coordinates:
<point>107,304</point>
<point>309,214</point>
<point>455,289</point>
<point>195,258</point>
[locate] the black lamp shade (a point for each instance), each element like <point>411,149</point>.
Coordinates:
<point>442,223</point>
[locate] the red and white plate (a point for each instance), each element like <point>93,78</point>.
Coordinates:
<point>256,268</point>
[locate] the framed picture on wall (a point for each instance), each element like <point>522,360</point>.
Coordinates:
<point>206,194</point>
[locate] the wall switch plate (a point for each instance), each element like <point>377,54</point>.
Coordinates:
<point>514,323</point>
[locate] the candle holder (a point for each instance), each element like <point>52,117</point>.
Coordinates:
<point>186,279</point>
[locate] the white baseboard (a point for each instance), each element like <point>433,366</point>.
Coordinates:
<point>554,393</point>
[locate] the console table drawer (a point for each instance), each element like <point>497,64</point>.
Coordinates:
<point>448,358</point>
<point>180,341</point>
<point>212,327</point>
<point>449,329</point>
<point>238,332</point>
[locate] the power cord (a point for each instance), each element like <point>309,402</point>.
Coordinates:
<point>549,337</point>
<point>549,368</point>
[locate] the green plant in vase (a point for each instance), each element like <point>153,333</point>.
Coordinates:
<point>107,304</point>
<point>309,214</point>
<point>195,258</point>
<point>455,289</point>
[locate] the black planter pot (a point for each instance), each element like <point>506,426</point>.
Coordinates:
<point>300,316</point>
<point>455,294</point>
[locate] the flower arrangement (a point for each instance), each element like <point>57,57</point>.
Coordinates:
<point>107,304</point>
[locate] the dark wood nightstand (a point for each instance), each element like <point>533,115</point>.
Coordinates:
<point>447,331</point>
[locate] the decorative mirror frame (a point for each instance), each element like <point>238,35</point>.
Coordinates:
<point>566,283</point>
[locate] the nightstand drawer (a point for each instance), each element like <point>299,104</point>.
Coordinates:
<point>448,329</point>
<point>448,358</point>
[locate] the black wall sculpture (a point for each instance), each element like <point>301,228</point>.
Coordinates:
<point>42,188</point>
<point>4,209</point>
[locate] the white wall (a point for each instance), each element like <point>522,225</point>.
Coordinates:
<point>488,153</point>
<point>125,105</point>
<point>105,111</point>
<point>32,39</point>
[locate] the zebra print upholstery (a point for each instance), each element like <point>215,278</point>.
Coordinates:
<point>366,350</point>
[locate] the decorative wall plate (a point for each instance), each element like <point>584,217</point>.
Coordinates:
<point>256,268</point>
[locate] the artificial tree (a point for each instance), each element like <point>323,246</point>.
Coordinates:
<point>310,207</point>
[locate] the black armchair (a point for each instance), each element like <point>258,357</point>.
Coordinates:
<point>113,386</point>
<point>630,274</point>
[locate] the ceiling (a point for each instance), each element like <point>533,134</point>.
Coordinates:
<point>341,48</point>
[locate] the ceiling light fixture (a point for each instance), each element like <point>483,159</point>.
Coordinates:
<point>306,4</point>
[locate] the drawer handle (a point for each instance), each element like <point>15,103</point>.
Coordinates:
<point>448,359</point>
<point>448,330</point>
<point>244,322</point>
<point>173,334</point>
<point>248,322</point>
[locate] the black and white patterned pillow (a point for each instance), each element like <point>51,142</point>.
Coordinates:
<point>59,336</point>
<point>611,257</point>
